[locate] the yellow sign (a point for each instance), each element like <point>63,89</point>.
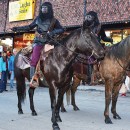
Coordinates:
<point>21,10</point>
<point>28,36</point>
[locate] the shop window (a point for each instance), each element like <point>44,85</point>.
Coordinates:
<point>118,35</point>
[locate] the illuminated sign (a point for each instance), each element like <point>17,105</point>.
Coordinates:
<point>21,10</point>
<point>28,36</point>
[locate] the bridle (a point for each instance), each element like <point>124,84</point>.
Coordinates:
<point>70,49</point>
<point>88,43</point>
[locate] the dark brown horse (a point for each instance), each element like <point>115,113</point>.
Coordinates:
<point>57,67</point>
<point>113,70</point>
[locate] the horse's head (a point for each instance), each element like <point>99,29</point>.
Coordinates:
<point>90,44</point>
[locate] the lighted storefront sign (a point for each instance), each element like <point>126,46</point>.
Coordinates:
<point>28,36</point>
<point>21,10</point>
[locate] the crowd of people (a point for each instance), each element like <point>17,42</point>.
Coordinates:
<point>7,70</point>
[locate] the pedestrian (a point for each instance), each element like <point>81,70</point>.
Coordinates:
<point>47,26</point>
<point>8,73</point>
<point>98,29</point>
<point>11,68</point>
<point>6,60</point>
<point>3,73</point>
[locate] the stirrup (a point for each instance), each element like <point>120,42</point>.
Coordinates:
<point>34,82</point>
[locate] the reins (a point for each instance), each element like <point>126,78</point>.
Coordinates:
<point>122,66</point>
<point>71,50</point>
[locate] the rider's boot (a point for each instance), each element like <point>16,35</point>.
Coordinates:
<point>33,77</point>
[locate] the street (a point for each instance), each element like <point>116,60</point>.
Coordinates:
<point>89,99</point>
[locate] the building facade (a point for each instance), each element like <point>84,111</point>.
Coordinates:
<point>113,14</point>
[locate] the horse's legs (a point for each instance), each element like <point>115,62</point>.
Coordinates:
<point>31,94</point>
<point>108,92</point>
<point>21,92</point>
<point>20,111</point>
<point>76,82</point>
<point>61,93</point>
<point>114,101</point>
<point>52,92</point>
<point>63,107</point>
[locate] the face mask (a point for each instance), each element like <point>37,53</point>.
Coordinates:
<point>44,9</point>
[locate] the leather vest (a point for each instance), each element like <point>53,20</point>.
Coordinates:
<point>42,28</point>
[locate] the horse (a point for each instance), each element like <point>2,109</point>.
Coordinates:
<point>80,74</point>
<point>22,73</point>
<point>57,67</point>
<point>113,70</point>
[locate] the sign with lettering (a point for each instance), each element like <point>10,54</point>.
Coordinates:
<point>28,36</point>
<point>21,10</point>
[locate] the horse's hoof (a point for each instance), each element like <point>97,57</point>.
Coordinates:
<point>108,121</point>
<point>34,113</point>
<point>63,110</point>
<point>76,108</point>
<point>116,116</point>
<point>55,127</point>
<point>20,112</point>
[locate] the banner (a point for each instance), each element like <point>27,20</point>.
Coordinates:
<point>21,10</point>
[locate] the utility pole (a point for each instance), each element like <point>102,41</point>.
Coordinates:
<point>85,5</point>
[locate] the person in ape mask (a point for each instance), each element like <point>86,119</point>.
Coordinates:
<point>46,26</point>
<point>93,22</point>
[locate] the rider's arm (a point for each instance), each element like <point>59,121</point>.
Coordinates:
<point>58,29</point>
<point>25,28</point>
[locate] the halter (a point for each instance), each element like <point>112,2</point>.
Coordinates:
<point>89,45</point>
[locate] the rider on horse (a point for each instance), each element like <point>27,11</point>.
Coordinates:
<point>46,27</point>
<point>93,21</point>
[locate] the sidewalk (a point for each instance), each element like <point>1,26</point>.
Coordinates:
<point>100,88</point>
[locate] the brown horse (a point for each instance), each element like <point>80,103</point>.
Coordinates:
<point>57,67</point>
<point>113,70</point>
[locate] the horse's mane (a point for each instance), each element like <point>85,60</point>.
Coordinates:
<point>119,50</point>
<point>64,40</point>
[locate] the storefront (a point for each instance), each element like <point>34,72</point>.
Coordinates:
<point>69,13</point>
<point>21,41</point>
<point>6,44</point>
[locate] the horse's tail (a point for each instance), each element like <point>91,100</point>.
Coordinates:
<point>68,97</point>
<point>21,88</point>
<point>20,81</point>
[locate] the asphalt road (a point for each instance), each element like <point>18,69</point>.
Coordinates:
<point>90,100</point>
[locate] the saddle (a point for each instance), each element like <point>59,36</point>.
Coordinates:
<point>23,62</point>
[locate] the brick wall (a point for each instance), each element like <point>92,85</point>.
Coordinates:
<point>70,12</point>
<point>3,9</point>
<point>22,23</point>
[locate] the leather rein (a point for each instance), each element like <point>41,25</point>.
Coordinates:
<point>78,58</point>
